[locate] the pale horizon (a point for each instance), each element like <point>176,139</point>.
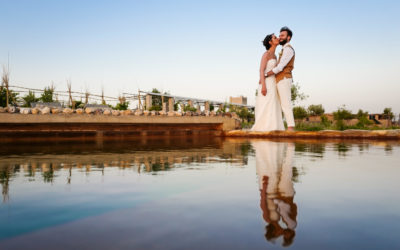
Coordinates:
<point>346,53</point>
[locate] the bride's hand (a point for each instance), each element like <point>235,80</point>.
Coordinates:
<point>264,90</point>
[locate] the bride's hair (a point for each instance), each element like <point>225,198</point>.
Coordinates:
<point>267,40</point>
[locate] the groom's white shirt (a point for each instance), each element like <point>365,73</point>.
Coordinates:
<point>287,55</point>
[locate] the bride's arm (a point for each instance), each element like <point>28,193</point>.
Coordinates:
<point>263,66</point>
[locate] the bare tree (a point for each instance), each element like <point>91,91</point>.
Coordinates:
<point>70,101</point>
<point>5,82</point>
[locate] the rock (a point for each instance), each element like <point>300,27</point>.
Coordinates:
<point>126,112</point>
<point>153,113</point>
<point>89,111</point>
<point>12,109</point>
<point>79,111</point>
<point>115,112</point>
<point>163,113</point>
<point>98,112</point>
<point>68,111</point>
<point>227,114</point>
<point>25,111</point>
<point>188,113</point>
<point>171,113</point>
<point>55,111</point>
<point>107,112</point>
<point>45,111</point>
<point>138,112</point>
<point>35,111</point>
<point>178,113</point>
<point>235,116</point>
<point>146,112</point>
<point>2,110</point>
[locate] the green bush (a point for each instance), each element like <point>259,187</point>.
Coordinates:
<point>155,107</point>
<point>122,106</point>
<point>299,113</point>
<point>29,98</point>
<point>188,108</point>
<point>12,97</point>
<point>388,114</point>
<point>363,120</point>
<point>342,114</point>
<point>316,109</point>
<point>307,126</point>
<point>47,95</point>
<point>324,121</point>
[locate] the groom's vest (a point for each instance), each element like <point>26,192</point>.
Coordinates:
<point>287,70</point>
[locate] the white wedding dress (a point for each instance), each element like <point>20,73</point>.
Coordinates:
<point>268,111</point>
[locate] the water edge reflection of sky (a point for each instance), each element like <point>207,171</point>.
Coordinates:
<point>178,193</point>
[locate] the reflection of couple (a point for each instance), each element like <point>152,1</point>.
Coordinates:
<point>274,88</point>
<point>274,170</point>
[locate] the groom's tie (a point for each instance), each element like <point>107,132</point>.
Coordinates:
<point>280,55</point>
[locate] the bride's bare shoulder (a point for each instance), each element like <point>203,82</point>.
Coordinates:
<point>265,55</point>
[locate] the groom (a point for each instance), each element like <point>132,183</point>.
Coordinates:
<point>283,75</point>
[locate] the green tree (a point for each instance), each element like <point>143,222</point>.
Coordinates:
<point>123,104</point>
<point>29,98</point>
<point>157,100</point>
<point>47,95</point>
<point>299,113</point>
<point>340,115</point>
<point>363,120</point>
<point>296,95</point>
<point>212,107</point>
<point>12,97</point>
<point>325,121</point>
<point>316,110</point>
<point>188,108</point>
<point>388,114</point>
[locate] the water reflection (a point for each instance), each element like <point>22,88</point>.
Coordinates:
<point>50,162</point>
<point>275,174</point>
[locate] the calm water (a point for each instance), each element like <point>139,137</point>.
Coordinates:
<point>187,193</point>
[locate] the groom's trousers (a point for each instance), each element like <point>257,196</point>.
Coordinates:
<point>284,92</point>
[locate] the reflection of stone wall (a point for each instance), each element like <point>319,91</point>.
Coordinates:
<point>46,167</point>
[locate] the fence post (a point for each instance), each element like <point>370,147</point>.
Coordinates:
<point>171,103</point>
<point>148,101</point>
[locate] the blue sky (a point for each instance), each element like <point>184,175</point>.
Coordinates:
<point>347,52</point>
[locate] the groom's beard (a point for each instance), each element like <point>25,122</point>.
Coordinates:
<point>283,42</point>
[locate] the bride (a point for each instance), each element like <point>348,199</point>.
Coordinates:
<point>268,111</point>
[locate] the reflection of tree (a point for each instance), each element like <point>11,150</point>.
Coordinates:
<point>342,148</point>
<point>318,149</point>
<point>5,175</point>
<point>388,148</point>
<point>296,174</point>
<point>362,147</point>
<point>146,159</point>
<point>48,174</point>
<point>155,167</point>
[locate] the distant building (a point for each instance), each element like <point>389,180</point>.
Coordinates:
<point>380,120</point>
<point>238,100</point>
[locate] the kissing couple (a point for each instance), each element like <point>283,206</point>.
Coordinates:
<point>274,88</point>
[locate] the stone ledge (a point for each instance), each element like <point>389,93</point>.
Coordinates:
<point>347,134</point>
<point>8,120</point>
